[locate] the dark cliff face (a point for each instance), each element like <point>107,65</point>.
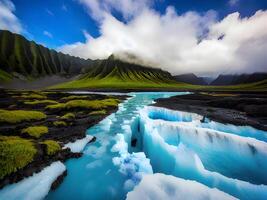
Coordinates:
<point>21,56</point>
<point>190,78</point>
<point>239,79</point>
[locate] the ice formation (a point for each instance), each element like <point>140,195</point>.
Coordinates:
<point>178,143</point>
<point>35,187</point>
<point>78,145</point>
<point>132,165</point>
<point>159,186</point>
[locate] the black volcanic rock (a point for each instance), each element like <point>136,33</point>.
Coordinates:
<point>239,79</point>
<point>190,78</point>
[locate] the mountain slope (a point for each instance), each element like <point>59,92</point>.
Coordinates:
<point>18,56</point>
<point>190,78</point>
<point>115,73</point>
<point>239,79</point>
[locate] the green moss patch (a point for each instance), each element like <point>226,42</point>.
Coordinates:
<point>98,112</point>
<point>72,97</point>
<point>15,153</point>
<point>36,102</point>
<point>35,131</point>
<point>68,116</point>
<point>85,104</point>
<point>33,96</point>
<point>17,116</point>
<point>52,147</point>
<point>59,123</point>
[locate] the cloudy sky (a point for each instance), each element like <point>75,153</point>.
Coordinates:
<point>205,37</point>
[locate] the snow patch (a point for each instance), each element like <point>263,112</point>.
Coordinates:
<point>78,145</point>
<point>160,186</point>
<point>35,187</point>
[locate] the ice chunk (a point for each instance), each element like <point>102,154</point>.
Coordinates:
<point>161,187</point>
<point>132,165</point>
<point>78,145</point>
<point>35,187</point>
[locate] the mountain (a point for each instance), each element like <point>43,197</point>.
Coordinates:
<point>114,72</point>
<point>20,57</point>
<point>239,79</point>
<point>191,79</point>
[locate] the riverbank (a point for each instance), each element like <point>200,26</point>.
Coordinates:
<point>242,109</point>
<point>35,126</point>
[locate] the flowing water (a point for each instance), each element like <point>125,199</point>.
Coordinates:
<point>139,139</point>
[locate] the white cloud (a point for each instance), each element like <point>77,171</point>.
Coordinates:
<point>49,12</point>
<point>48,34</point>
<point>180,43</point>
<point>64,7</point>
<point>128,8</point>
<point>8,20</point>
<point>233,2</point>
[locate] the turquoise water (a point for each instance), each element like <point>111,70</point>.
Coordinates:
<point>94,175</point>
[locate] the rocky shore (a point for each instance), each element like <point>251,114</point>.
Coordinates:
<point>233,108</point>
<point>59,118</point>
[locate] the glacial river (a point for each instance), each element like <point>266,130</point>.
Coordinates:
<point>139,146</point>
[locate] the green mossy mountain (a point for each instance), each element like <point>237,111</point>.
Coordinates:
<point>19,56</point>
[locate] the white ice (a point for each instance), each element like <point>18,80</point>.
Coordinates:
<point>78,145</point>
<point>163,187</point>
<point>175,146</point>
<point>35,187</point>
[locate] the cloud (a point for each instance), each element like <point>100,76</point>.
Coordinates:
<point>8,20</point>
<point>190,42</point>
<point>49,12</point>
<point>233,2</point>
<point>64,7</point>
<point>128,8</point>
<point>48,34</point>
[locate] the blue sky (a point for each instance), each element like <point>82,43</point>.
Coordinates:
<point>66,19</point>
<point>205,37</point>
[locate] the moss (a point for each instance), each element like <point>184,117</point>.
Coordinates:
<point>58,106</point>
<point>52,147</point>
<point>33,96</point>
<point>98,112</point>
<point>68,116</point>
<point>17,116</point>
<point>85,104</point>
<point>46,101</point>
<point>35,131</point>
<point>74,97</point>
<point>15,153</point>
<point>59,123</point>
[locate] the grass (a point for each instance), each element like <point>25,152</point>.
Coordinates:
<point>52,147</point>
<point>85,104</point>
<point>15,153</point>
<point>36,102</point>
<point>17,116</point>
<point>98,112</point>
<point>35,131</point>
<point>68,116</point>
<point>4,76</point>
<point>59,123</point>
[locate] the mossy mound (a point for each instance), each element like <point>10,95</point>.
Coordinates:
<point>33,96</point>
<point>59,123</point>
<point>72,97</point>
<point>15,153</point>
<point>17,116</point>
<point>98,112</point>
<point>85,104</point>
<point>36,102</point>
<point>52,147</point>
<point>68,116</point>
<point>35,131</point>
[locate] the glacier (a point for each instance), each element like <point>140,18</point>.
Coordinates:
<point>160,186</point>
<point>178,143</point>
<point>78,145</point>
